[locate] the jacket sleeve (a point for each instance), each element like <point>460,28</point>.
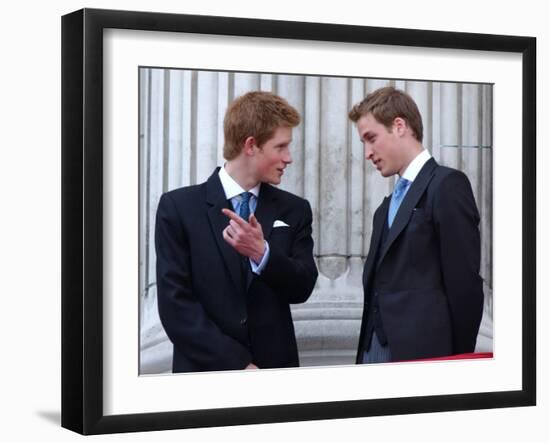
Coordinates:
<point>183,317</point>
<point>294,275</point>
<point>457,219</point>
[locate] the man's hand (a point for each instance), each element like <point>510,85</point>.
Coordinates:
<point>251,366</point>
<point>246,238</point>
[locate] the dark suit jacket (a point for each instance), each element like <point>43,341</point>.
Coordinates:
<point>426,277</point>
<point>217,313</point>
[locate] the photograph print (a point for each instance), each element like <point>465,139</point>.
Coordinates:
<point>294,220</point>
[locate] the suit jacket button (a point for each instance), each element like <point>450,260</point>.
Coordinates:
<point>243,322</point>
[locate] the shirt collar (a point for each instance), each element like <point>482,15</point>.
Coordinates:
<point>416,165</point>
<point>231,188</point>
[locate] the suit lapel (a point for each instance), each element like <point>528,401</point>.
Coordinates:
<point>215,197</point>
<point>266,209</point>
<point>378,229</point>
<point>408,204</point>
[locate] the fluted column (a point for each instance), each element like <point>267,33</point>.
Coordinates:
<point>292,88</point>
<point>154,167</point>
<point>312,152</point>
<point>451,136</point>
<point>359,226</point>
<point>334,185</point>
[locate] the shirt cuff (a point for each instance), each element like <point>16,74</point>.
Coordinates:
<point>258,268</point>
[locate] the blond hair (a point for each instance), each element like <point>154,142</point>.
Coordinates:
<point>385,105</point>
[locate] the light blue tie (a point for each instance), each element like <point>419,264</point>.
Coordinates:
<point>397,197</point>
<point>244,209</point>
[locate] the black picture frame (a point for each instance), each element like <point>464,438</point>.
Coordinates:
<point>82,220</point>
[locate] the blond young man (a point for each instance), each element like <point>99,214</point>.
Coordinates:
<point>422,288</point>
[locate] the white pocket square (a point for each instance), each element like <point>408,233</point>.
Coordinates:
<point>279,224</point>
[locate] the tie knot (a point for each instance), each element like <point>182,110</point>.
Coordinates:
<point>396,198</point>
<point>245,197</point>
<point>244,210</point>
<point>400,186</point>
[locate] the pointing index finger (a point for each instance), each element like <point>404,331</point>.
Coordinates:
<point>233,216</point>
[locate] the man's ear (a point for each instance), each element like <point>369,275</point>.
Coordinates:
<point>249,144</point>
<point>400,125</point>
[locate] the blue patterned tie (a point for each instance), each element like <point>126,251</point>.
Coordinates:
<point>244,209</point>
<point>397,198</point>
